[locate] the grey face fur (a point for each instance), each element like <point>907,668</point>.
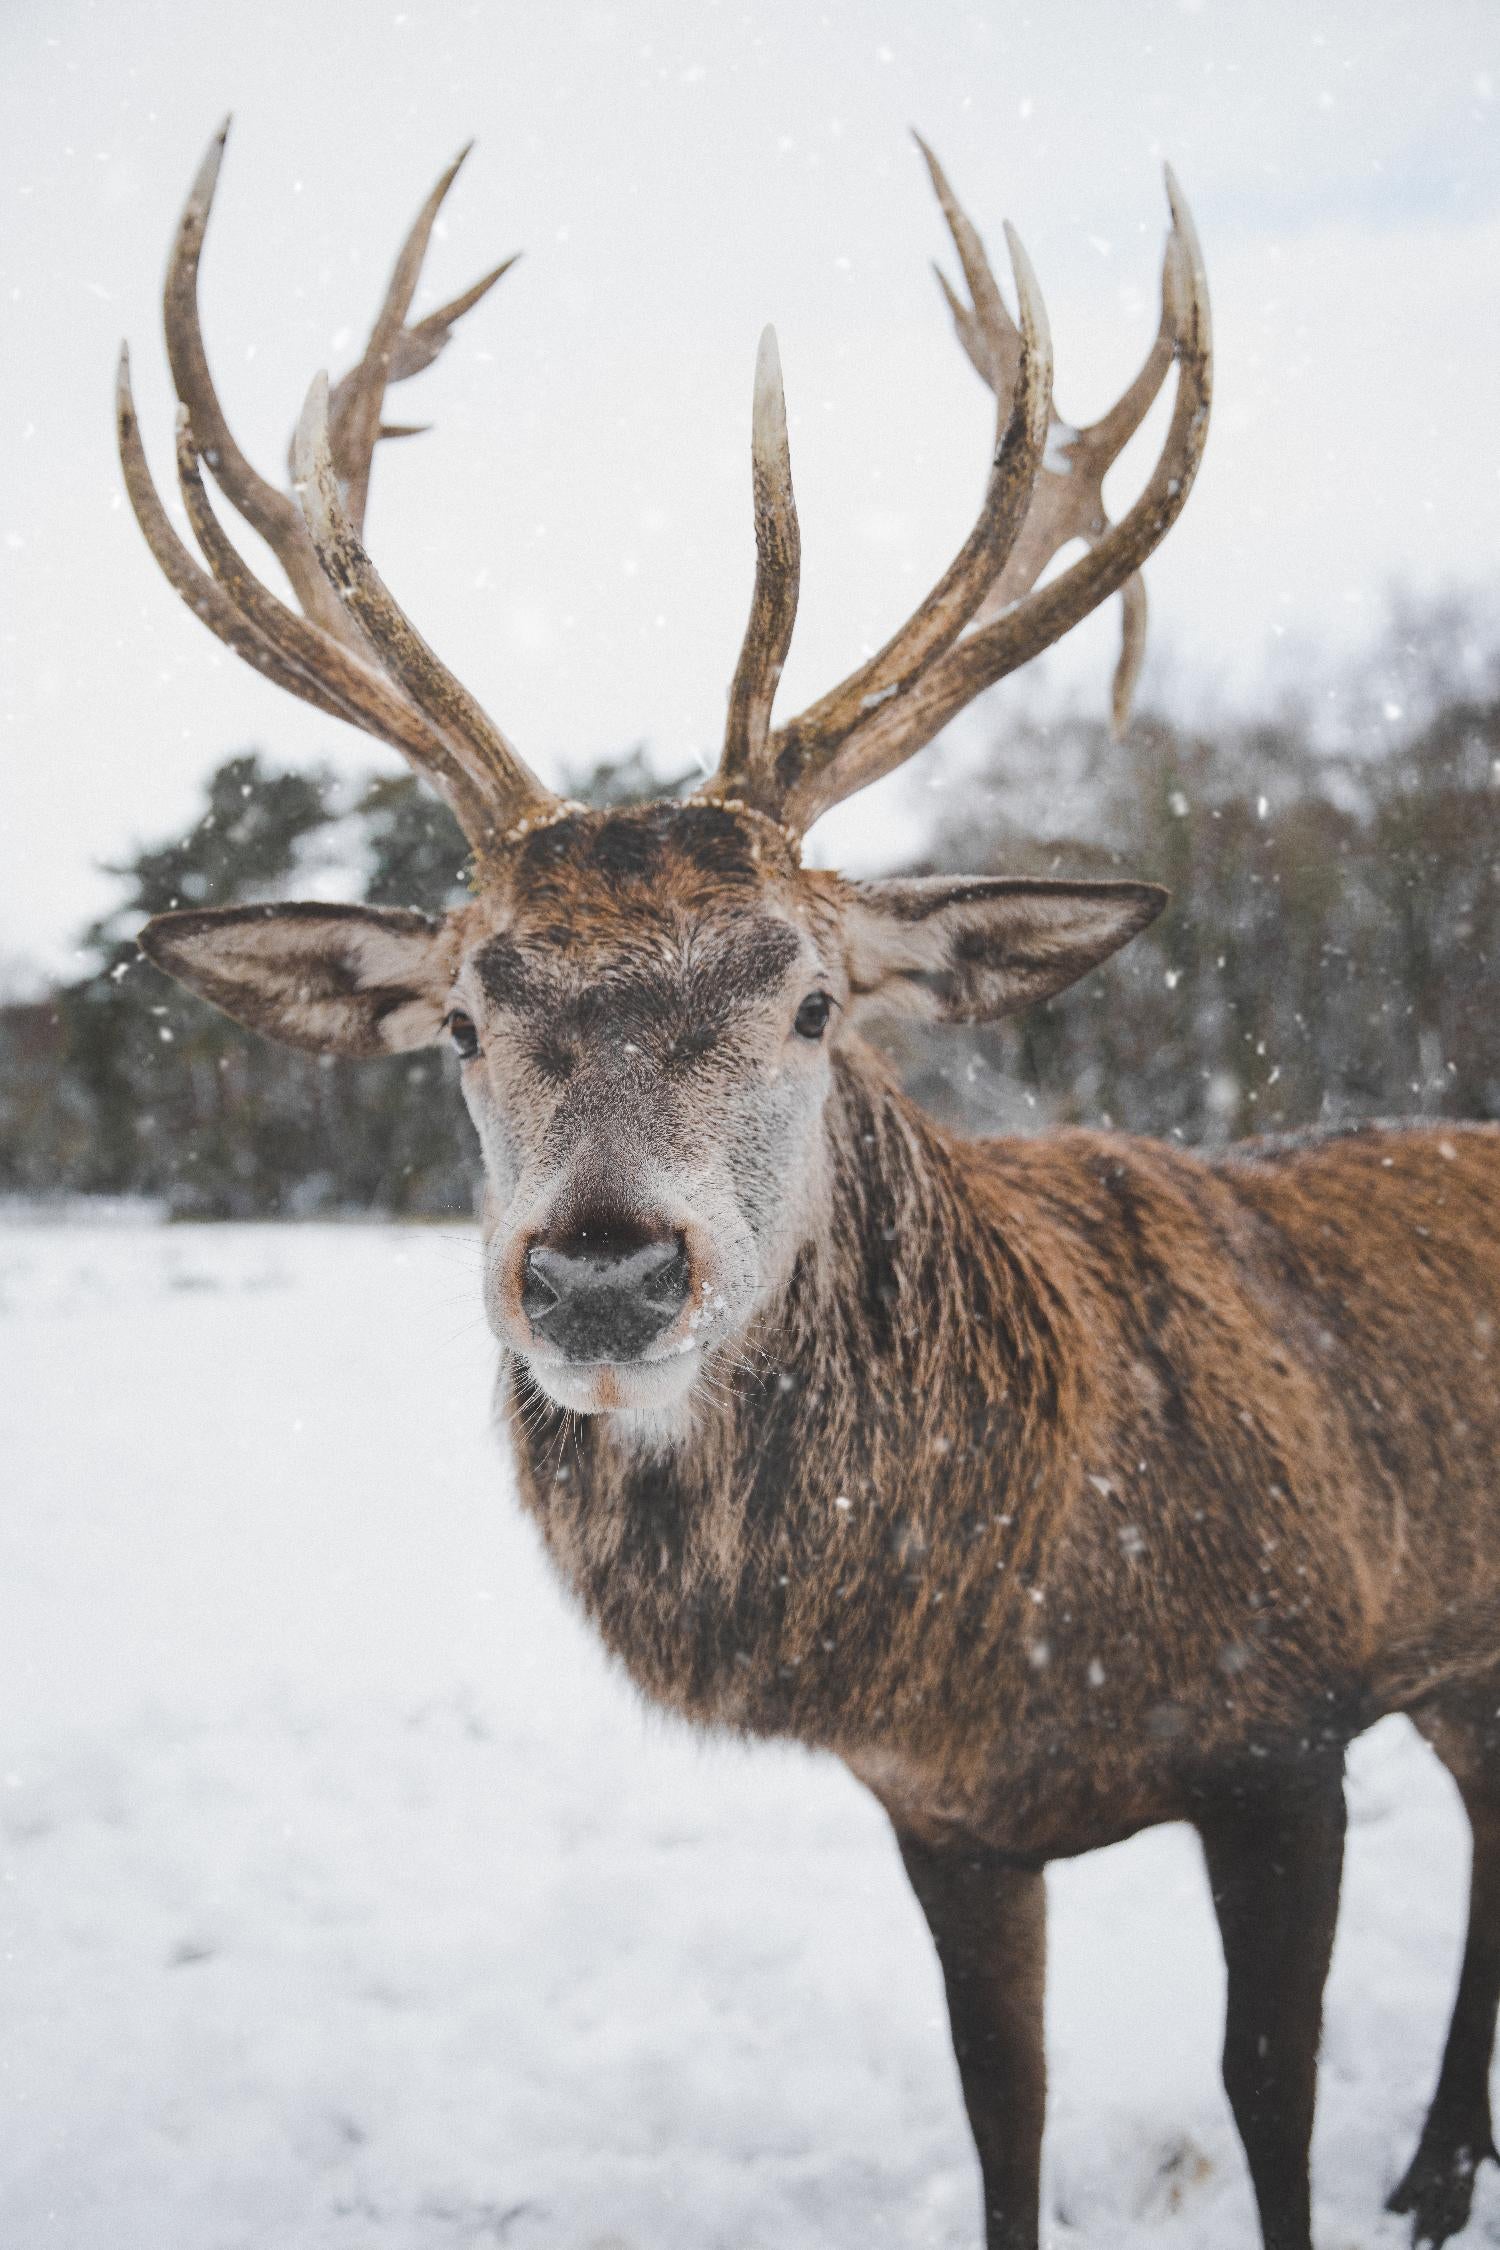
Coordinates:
<point>657,1089</point>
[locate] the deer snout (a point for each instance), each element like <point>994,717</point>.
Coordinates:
<point>598,1295</point>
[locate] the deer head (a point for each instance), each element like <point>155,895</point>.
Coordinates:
<point>650,1006</point>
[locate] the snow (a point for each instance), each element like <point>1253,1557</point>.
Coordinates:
<point>352,1903</point>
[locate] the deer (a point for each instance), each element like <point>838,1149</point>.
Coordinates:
<point>1060,1486</point>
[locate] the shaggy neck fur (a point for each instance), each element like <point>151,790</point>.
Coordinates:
<point>781,1569</point>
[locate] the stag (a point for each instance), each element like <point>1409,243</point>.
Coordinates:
<point>1059,1486</point>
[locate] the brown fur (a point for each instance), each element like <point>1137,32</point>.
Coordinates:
<point>1071,1468</point>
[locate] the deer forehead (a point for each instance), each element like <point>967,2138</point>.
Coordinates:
<point>687,907</point>
<point>708,968</point>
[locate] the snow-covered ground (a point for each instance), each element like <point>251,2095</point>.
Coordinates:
<point>350,1903</point>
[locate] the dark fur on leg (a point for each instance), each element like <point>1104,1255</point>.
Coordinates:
<point>988,1921</point>
<point>1437,2187</point>
<point>1274,1844</point>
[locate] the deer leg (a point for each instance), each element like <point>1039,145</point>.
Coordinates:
<point>1438,2185</point>
<point>1274,1846</point>
<point>988,1918</point>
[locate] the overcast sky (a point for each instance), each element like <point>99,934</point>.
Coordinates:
<point>575,534</point>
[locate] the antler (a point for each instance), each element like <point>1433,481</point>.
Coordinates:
<point>986,616</point>
<point>351,652</point>
<point>749,766</point>
<point>1068,502</point>
<point>778,569</point>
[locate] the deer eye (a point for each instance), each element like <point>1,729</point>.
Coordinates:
<point>811,1019</point>
<point>463,1034</point>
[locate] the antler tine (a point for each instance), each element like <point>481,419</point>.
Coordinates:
<point>992,345</point>
<point>812,739</point>
<point>1134,616</point>
<point>181,567</point>
<point>348,685</point>
<point>972,336</point>
<point>285,648</point>
<point>266,509</point>
<point>988,319</point>
<point>511,792</point>
<point>1069,499</point>
<point>418,346</point>
<point>778,565</point>
<point>395,351</point>
<point>350,653</point>
<point>902,726</point>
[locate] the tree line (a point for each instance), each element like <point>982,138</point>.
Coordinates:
<point>1332,950</point>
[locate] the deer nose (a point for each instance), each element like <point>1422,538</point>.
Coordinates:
<point>599,1295</point>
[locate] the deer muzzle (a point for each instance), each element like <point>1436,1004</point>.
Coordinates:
<point>597,1297</point>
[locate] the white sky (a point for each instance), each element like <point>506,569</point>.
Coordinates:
<point>575,535</point>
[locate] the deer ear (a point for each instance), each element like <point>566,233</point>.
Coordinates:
<point>969,949</point>
<point>339,980</point>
